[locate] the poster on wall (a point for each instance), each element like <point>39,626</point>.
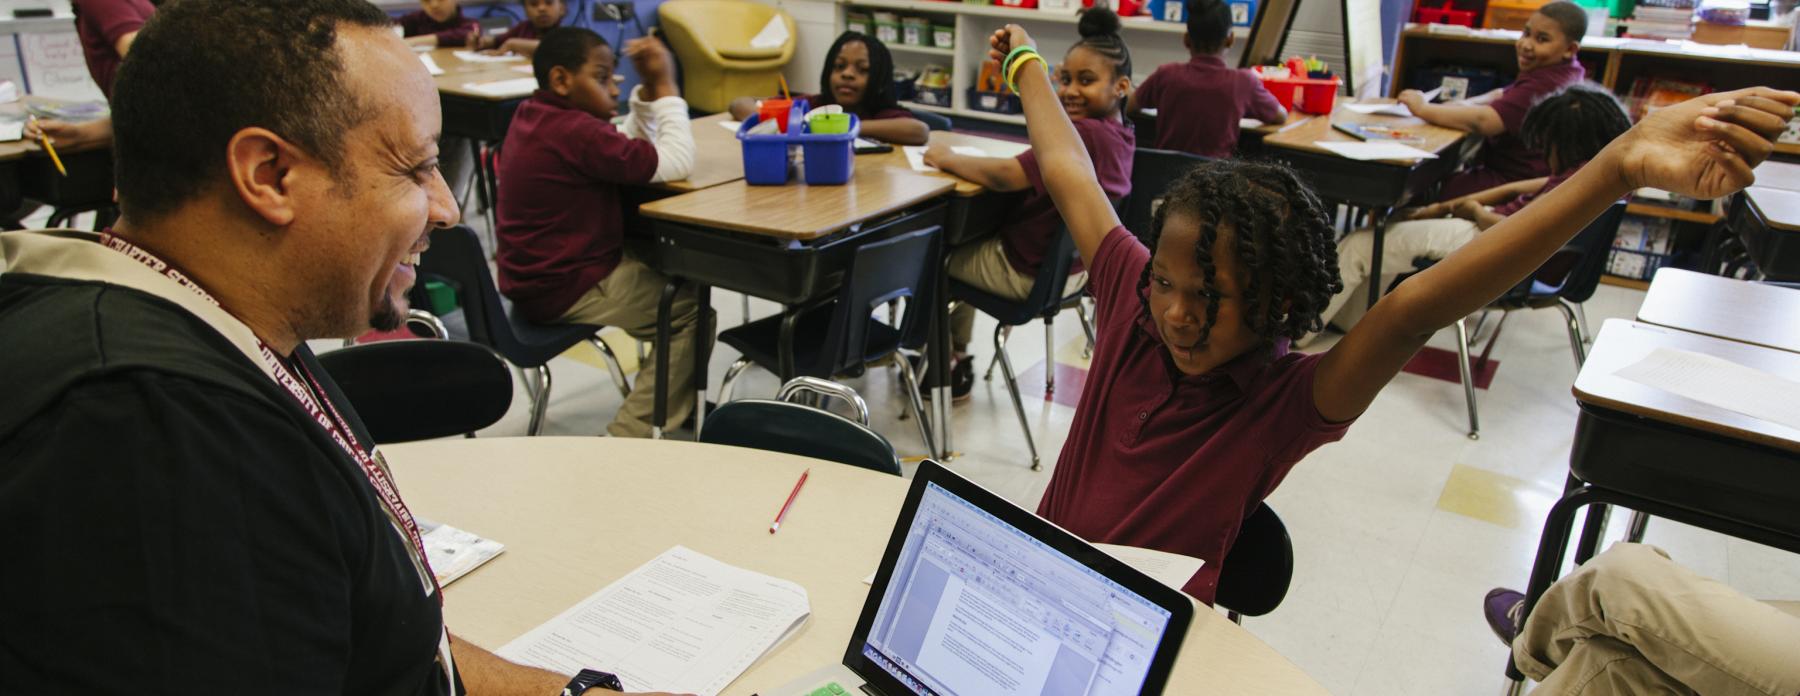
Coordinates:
<point>56,68</point>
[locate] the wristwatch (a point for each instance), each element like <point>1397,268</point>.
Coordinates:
<point>590,678</point>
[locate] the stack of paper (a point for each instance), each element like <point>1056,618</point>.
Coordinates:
<point>1718,382</point>
<point>1172,569</point>
<point>478,57</point>
<point>683,622</point>
<point>454,552</point>
<point>430,64</point>
<point>505,88</point>
<point>1374,150</point>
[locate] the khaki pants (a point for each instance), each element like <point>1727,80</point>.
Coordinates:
<point>984,265</point>
<point>627,299</point>
<point>1631,621</point>
<point>1403,242</point>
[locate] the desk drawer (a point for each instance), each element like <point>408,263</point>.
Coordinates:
<point>1687,468</point>
<point>784,271</point>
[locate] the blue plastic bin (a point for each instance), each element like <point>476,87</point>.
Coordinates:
<point>768,159</point>
<point>830,159</point>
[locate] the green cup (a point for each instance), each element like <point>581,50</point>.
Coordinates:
<point>830,124</point>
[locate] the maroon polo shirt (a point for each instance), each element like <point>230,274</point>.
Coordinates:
<point>1167,461</point>
<point>560,215</point>
<point>523,30</point>
<point>1199,103</point>
<point>1518,203</point>
<point>1028,238</point>
<point>817,100</point>
<point>1504,158</point>
<point>100,24</point>
<point>454,31</point>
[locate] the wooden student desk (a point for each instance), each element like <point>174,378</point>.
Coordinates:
<point>790,244</point>
<point>1669,456</point>
<point>1381,185</point>
<point>578,513</point>
<point>1728,308</point>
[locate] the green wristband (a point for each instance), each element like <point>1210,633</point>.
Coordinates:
<point>1004,64</point>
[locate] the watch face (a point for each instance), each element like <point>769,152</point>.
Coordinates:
<point>590,678</point>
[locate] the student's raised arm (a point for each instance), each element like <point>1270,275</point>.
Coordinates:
<point>1062,158</point>
<point>1703,148</point>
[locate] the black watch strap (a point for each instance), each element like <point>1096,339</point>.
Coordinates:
<point>590,678</point>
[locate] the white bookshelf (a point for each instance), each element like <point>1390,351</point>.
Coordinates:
<point>1152,43</point>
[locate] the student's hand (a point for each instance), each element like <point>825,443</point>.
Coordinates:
<point>1005,39</point>
<point>651,59</point>
<point>1704,147</point>
<point>936,153</point>
<point>1412,98</point>
<point>71,137</point>
<point>511,46</point>
<point>1467,209</point>
<point>1423,212</point>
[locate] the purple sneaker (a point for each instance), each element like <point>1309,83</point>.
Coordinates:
<point>1503,608</point>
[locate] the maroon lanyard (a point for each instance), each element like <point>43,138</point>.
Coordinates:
<point>327,416</point>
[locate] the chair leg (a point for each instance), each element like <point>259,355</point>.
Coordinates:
<point>429,321</point>
<point>542,401</point>
<point>1468,379</point>
<point>915,401</point>
<point>1634,531</point>
<point>1049,355</point>
<point>1087,325</point>
<point>1587,336</point>
<point>746,309</point>
<point>729,384</point>
<point>613,366</point>
<point>992,363</point>
<point>1012,385</point>
<point>1575,334</point>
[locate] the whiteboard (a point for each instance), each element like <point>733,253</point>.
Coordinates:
<point>55,66</point>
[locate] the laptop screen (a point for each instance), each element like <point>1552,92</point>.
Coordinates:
<point>978,607</point>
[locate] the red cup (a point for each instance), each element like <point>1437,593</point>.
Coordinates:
<point>776,110</point>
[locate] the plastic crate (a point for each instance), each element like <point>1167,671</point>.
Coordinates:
<point>1447,14</point>
<point>994,102</point>
<point>1308,95</point>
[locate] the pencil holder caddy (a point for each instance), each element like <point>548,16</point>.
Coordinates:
<point>828,157</point>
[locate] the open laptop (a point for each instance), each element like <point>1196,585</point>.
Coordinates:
<point>977,597</point>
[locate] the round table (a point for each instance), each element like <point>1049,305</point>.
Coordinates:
<point>577,513</point>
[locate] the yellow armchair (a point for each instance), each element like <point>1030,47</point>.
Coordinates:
<point>711,38</point>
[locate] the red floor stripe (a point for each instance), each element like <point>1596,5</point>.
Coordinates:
<point>1438,363</point>
<point>1069,380</point>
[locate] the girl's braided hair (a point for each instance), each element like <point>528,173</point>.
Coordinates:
<point>1279,232</point>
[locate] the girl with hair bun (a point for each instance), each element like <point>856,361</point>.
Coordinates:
<point>1092,84</point>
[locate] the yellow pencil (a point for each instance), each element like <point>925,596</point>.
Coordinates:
<point>44,139</point>
<point>784,90</point>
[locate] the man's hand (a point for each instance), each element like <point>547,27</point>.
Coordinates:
<point>651,59</point>
<point>1704,147</point>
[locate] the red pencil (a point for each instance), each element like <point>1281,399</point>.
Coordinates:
<point>790,501</point>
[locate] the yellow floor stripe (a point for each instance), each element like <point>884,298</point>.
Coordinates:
<point>1495,498</point>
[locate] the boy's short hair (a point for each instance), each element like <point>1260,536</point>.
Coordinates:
<point>1569,17</point>
<point>1208,23</point>
<point>1574,124</point>
<point>202,70</point>
<point>564,47</point>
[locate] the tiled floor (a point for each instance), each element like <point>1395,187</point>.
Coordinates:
<point>1399,529</point>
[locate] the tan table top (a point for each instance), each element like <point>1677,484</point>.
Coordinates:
<point>578,513</point>
<point>452,65</point>
<point>1781,207</point>
<point>797,211</point>
<point>1621,343</point>
<point>1778,175</point>
<point>458,74</point>
<point>964,188</point>
<point>1307,129</point>
<point>1728,308</point>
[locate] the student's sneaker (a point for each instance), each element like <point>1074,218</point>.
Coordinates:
<point>962,380</point>
<point>1503,608</point>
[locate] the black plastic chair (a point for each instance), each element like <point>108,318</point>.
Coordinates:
<point>1259,569</point>
<point>1564,281</point>
<point>934,121</point>
<point>798,429</point>
<point>421,389</point>
<point>840,335</point>
<point>1044,302</point>
<point>1152,170</point>
<point>455,257</point>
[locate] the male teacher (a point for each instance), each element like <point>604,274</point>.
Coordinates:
<point>190,505</point>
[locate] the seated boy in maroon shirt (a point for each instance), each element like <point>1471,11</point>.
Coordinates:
<point>437,23</point>
<point>540,17</point>
<point>561,231</point>
<point>1546,54</point>
<point>1200,102</point>
<point>1569,127</point>
<point>1094,78</point>
<point>1194,410</point>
